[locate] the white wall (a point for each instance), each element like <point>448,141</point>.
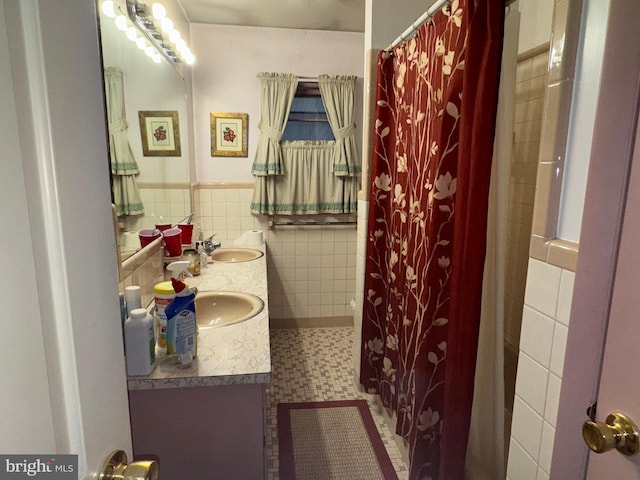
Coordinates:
<point>535,28</point>
<point>312,270</point>
<point>386,19</point>
<point>224,80</point>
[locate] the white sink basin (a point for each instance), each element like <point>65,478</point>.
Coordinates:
<point>232,255</point>
<point>218,309</point>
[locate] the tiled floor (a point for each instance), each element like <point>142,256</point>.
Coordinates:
<point>315,364</point>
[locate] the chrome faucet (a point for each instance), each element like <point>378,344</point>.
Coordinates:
<point>209,245</point>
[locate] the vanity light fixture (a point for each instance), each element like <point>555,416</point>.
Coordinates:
<point>159,31</point>
<point>109,8</point>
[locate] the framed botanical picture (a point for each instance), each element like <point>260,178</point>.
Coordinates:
<point>229,134</point>
<point>160,132</point>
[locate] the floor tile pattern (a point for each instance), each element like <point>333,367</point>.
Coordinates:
<point>311,365</point>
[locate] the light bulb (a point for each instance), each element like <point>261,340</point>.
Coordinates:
<point>166,25</point>
<point>121,23</point>
<point>149,51</point>
<point>156,58</point>
<point>131,34</point>
<point>174,36</point>
<point>108,8</point>
<point>189,58</point>
<point>141,43</point>
<point>158,11</point>
<point>180,44</point>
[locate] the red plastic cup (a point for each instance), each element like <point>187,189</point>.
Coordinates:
<point>187,232</point>
<point>147,236</point>
<point>163,226</point>
<point>172,242</point>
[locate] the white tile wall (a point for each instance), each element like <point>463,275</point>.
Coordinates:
<point>542,347</point>
<point>521,465</point>
<point>311,270</point>
<point>543,284</point>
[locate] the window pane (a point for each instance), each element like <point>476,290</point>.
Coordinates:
<point>307,120</point>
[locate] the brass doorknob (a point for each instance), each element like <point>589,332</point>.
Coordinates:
<point>619,432</point>
<point>116,467</point>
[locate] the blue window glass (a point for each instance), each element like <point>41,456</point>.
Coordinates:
<point>307,120</point>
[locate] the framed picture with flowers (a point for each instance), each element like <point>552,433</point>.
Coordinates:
<point>160,133</point>
<point>229,134</point>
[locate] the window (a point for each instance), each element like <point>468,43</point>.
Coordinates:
<point>307,118</point>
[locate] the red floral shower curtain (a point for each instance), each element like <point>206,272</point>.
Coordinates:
<point>433,141</point>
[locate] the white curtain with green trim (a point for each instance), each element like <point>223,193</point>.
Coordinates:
<point>302,177</point>
<point>276,95</point>
<point>124,167</point>
<point>308,184</point>
<point>338,96</point>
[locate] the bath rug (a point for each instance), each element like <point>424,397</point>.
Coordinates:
<point>330,441</point>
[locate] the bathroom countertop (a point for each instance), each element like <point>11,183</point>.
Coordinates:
<point>233,354</point>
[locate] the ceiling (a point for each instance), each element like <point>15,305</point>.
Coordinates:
<point>335,15</point>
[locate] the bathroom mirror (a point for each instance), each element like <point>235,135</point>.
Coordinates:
<point>151,90</point>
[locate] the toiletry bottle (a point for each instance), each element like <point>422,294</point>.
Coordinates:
<point>181,323</point>
<point>139,342</point>
<point>193,257</point>
<point>132,298</point>
<point>163,294</point>
<point>123,314</point>
<point>179,269</point>
<point>203,256</point>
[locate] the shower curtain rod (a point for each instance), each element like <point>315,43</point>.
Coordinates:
<point>433,9</point>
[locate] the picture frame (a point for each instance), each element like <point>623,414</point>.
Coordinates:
<point>229,134</point>
<point>160,132</point>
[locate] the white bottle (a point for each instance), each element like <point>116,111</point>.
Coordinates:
<point>179,269</point>
<point>132,298</point>
<point>139,342</point>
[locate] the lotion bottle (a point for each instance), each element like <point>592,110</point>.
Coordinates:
<point>139,342</point>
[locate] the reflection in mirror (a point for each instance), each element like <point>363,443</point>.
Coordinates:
<point>153,96</point>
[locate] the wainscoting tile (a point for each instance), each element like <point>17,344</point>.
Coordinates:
<point>536,337</point>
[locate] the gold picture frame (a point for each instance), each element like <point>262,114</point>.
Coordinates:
<point>160,132</point>
<point>229,134</point>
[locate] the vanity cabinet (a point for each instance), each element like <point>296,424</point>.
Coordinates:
<point>201,432</point>
<point>207,421</point>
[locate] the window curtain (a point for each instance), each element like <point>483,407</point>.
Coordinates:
<point>430,169</point>
<point>276,95</point>
<point>302,177</point>
<point>124,167</point>
<point>338,96</point>
<point>308,185</point>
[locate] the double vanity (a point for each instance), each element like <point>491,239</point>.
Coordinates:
<point>208,420</point>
